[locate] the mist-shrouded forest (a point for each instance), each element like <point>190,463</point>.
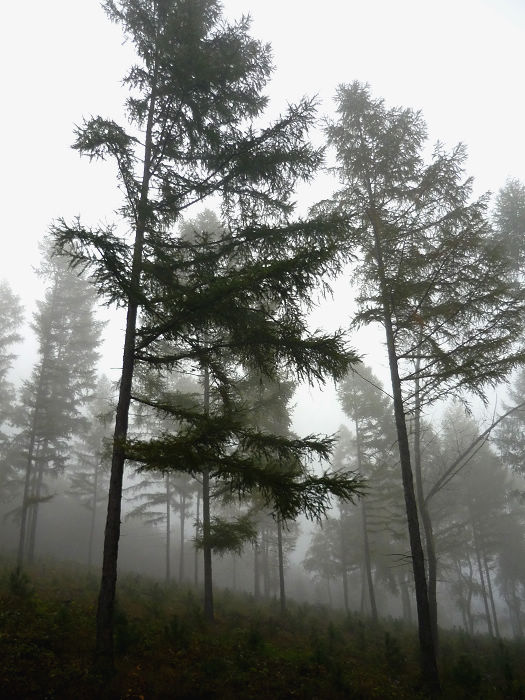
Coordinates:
<point>169,529</point>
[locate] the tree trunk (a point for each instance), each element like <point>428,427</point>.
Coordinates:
<point>266,565</point>
<point>282,593</point>
<point>33,516</point>
<point>426,639</point>
<point>93,517</point>
<point>405,598</point>
<point>482,579</point>
<point>196,551</point>
<point>168,529</point>
<point>29,465</point>
<point>491,594</point>
<point>425,514</point>
<point>329,592</point>
<point>256,572</point>
<point>182,523</point>
<point>106,598</point>
<point>366,544</point>
<point>206,521</point>
<point>344,564</point>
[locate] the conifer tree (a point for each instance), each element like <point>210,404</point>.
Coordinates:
<point>431,274</point>
<point>89,472</point>
<point>194,110</point>
<point>63,379</point>
<point>369,409</point>
<point>11,318</point>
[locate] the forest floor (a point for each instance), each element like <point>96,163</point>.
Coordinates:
<point>164,648</point>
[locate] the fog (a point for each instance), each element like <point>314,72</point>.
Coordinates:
<point>320,398</point>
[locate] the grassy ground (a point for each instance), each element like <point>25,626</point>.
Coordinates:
<point>165,649</point>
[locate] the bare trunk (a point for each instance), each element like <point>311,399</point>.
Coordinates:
<point>482,579</point>
<point>491,594</point>
<point>282,593</point>
<point>168,529</point>
<point>265,565</point>
<point>182,523</point>
<point>329,592</point>
<point>343,565</point>
<point>196,551</point>
<point>206,521</point>
<point>405,598</point>
<point>35,506</point>
<point>256,572</point>
<point>366,543</point>
<point>425,515</point>
<point>93,517</point>
<point>106,598</point>
<point>426,640</point>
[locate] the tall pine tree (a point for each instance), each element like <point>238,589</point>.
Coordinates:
<point>194,110</point>
<point>62,380</point>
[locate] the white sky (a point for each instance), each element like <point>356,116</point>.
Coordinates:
<point>459,61</point>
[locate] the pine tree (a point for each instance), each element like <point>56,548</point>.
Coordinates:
<point>11,318</point>
<point>432,274</point>
<point>369,409</point>
<point>63,379</point>
<point>89,471</point>
<point>194,112</point>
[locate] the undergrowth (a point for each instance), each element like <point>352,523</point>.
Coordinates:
<point>164,648</point>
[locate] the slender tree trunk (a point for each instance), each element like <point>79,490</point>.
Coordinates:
<point>366,543</point>
<point>515,612</point>
<point>106,598</point>
<point>426,639</point>
<point>196,551</point>
<point>182,523</point>
<point>265,565</point>
<point>234,572</point>
<point>482,579</point>
<point>35,507</point>
<point>405,599</point>
<point>256,572</point>
<point>362,607</point>
<point>491,594</point>
<point>32,448</point>
<point>425,514</point>
<point>206,521</point>
<point>282,592</point>
<point>469,597</point>
<point>93,517</point>
<point>329,592</point>
<point>368,565</point>
<point>168,529</point>
<point>344,563</point>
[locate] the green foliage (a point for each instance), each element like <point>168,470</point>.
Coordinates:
<point>430,259</point>
<point>228,535</point>
<point>45,649</point>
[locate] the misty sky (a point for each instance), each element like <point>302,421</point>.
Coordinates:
<point>459,61</point>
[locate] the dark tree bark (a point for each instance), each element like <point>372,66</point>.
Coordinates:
<point>366,544</point>
<point>482,580</point>
<point>256,572</point>
<point>182,523</point>
<point>106,598</point>
<point>196,551</point>
<point>425,514</point>
<point>206,521</point>
<point>168,529</point>
<point>282,592</point>
<point>426,639</point>
<point>491,594</point>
